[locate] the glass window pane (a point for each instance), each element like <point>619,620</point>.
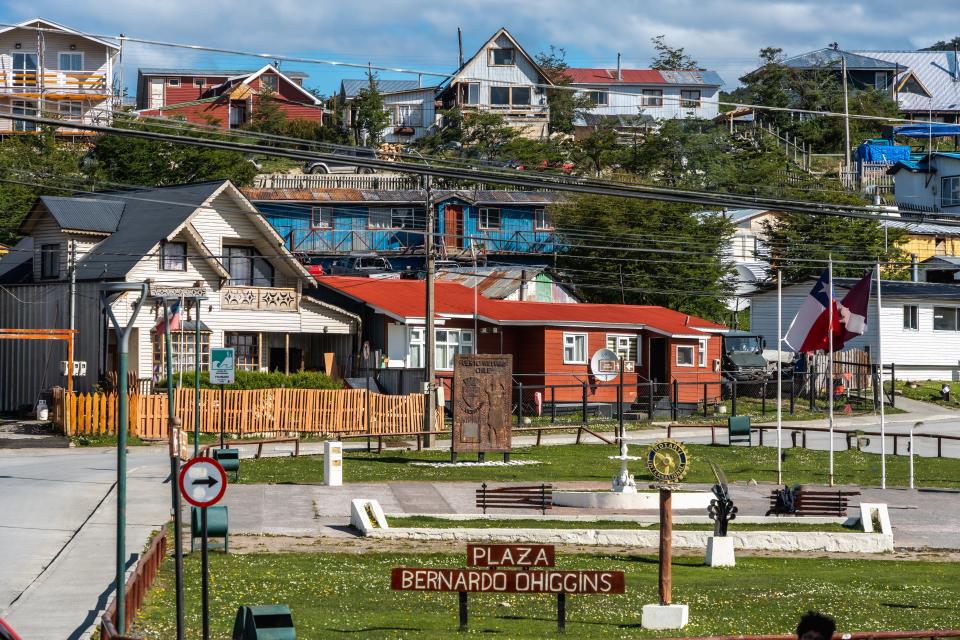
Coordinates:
<point>473,93</point>
<point>521,96</point>
<point>944,319</point>
<point>500,95</point>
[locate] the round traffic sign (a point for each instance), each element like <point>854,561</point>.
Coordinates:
<point>202,481</point>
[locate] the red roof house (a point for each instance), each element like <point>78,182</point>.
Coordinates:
<point>551,343</point>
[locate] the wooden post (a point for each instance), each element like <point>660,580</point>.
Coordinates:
<point>463,610</point>
<point>666,546</point>
<point>286,353</point>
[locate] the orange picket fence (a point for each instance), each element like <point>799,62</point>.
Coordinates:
<point>340,412</point>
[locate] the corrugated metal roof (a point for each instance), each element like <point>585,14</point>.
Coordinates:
<point>228,73</point>
<point>17,265</point>
<point>84,214</point>
<point>352,87</point>
<point>921,228</point>
<point>827,58</point>
<point>493,282</point>
<point>936,71</point>
<point>950,260</point>
<point>707,78</point>
<point>408,196</point>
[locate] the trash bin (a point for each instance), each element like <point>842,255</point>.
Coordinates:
<point>264,622</point>
<point>229,459</point>
<point>218,526</point>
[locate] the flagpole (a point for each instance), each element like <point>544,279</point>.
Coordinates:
<point>779,375</point>
<point>883,421</point>
<point>830,361</point>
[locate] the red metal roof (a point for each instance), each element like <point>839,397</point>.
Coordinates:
<point>609,76</point>
<point>405,299</point>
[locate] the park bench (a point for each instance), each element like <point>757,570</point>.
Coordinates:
<point>259,442</point>
<point>525,497</point>
<point>803,501</point>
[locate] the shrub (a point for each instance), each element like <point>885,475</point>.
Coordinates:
<point>263,380</point>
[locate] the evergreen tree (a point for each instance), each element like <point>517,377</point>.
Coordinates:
<point>267,115</point>
<point>669,58</point>
<point>370,117</point>
<point>565,105</point>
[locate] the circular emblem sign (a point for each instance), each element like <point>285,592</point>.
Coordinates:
<point>202,481</point>
<point>667,461</point>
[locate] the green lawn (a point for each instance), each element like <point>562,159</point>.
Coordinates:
<point>929,391</point>
<point>349,596</point>
<point>533,523</point>
<point>590,462</point>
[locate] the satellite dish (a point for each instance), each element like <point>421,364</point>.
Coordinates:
<point>605,365</point>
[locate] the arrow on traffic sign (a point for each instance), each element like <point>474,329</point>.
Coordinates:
<point>209,481</point>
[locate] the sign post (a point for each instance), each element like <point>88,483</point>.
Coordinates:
<point>203,482</point>
<point>222,372</point>
<point>482,404</point>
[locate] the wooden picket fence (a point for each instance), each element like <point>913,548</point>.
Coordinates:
<point>338,412</point>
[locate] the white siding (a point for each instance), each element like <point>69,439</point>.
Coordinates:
<point>922,191</point>
<point>420,103</point>
<point>628,100</point>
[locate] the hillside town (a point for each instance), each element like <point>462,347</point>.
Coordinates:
<point>690,327</point>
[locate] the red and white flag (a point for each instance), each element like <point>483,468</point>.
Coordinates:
<point>853,311</point>
<point>808,331</point>
<point>172,319</point>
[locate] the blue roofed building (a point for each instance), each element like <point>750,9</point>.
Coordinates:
<point>928,184</point>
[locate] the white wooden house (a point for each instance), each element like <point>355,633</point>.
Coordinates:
<point>921,324</point>
<point>55,71</point>
<point>201,239</point>
<point>409,104</point>
<point>931,184</point>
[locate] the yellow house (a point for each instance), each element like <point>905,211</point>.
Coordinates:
<point>925,240</point>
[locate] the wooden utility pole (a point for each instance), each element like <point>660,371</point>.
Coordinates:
<point>666,546</point>
<point>430,402</point>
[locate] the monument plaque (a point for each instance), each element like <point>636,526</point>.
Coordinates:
<point>482,403</point>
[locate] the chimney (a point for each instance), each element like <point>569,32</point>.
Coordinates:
<point>523,283</point>
<point>619,70</point>
<point>914,268</point>
<point>686,321</point>
<point>956,64</point>
<point>460,46</point>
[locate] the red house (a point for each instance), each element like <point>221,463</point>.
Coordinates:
<point>551,343</point>
<point>225,98</point>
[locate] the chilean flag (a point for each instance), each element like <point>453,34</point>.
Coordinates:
<point>808,331</point>
<point>172,319</point>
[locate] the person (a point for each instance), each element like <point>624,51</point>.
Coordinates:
<point>815,626</point>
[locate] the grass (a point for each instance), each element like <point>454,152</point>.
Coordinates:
<point>533,523</point>
<point>590,462</point>
<point>929,391</point>
<point>349,596</point>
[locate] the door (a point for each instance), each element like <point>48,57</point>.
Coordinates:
<point>453,226</point>
<point>156,93</point>
<point>278,359</point>
<point>658,359</point>
<point>238,113</point>
<point>24,67</point>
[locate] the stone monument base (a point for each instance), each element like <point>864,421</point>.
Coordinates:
<point>664,616</point>
<point>720,552</point>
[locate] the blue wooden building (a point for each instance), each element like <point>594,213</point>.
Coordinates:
<point>336,222</point>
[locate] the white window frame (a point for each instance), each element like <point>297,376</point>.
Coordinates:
<point>956,325</point>
<point>651,97</point>
<point>693,355</point>
<point>70,53</point>
<point>622,341</point>
<point>25,82</point>
<point>911,322</point>
<point>950,184</point>
<point>24,108</point>
<point>409,115</point>
<point>473,86</point>
<point>463,344</point>
<point>691,103</point>
<point>321,217</point>
<point>275,80</point>
<point>182,259</point>
<point>72,106</point>
<point>542,220</point>
<point>415,355</point>
<point>513,58</point>
<point>599,97</point>
<point>483,219</point>
<point>570,341</point>
<point>702,352</point>
<point>199,83</point>
<point>173,82</point>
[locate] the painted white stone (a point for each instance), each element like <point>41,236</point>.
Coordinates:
<point>360,519</point>
<point>720,552</point>
<point>866,517</point>
<point>622,500</point>
<point>665,616</point>
<point>333,463</point>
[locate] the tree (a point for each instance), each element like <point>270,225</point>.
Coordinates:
<point>486,131</point>
<point>599,147</point>
<point>669,58</point>
<point>662,253</point>
<point>565,105</point>
<point>944,45</point>
<point>370,117</point>
<point>267,115</point>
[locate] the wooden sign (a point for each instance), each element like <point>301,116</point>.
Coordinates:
<point>482,403</point>
<point>527,581</point>
<point>510,555</point>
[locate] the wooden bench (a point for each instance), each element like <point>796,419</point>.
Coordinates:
<point>259,442</point>
<point>525,497</point>
<point>814,502</point>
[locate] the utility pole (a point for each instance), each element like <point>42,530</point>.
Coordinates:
<point>73,285</point>
<point>846,111</point>
<point>430,402</point>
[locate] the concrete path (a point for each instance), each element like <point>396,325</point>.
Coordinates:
<point>58,533</point>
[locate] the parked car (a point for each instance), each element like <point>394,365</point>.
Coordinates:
<point>342,166</point>
<point>7,632</point>
<point>365,265</point>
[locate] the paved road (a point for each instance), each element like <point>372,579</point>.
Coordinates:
<point>58,530</point>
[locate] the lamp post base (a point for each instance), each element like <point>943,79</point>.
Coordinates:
<point>720,552</point>
<point>665,616</point>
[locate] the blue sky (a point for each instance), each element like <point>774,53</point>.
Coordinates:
<point>722,35</point>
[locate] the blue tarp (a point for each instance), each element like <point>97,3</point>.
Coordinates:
<point>927,130</point>
<point>882,151</point>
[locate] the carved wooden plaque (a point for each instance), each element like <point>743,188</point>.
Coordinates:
<point>482,402</point>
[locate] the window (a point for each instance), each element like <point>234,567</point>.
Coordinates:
<point>599,98</point>
<point>24,108</point>
<point>199,83</point>
<point>70,61</point>
<point>702,353</point>
<point>247,267</point>
<point>173,256</point>
<point>379,218</point>
<point>624,346</point>
<point>70,110</point>
<point>880,80</point>
<point>911,317</point>
<point>415,356</point>
<point>574,348</point>
<point>182,350</point>
<point>503,57</point>
<point>173,82</point>
<point>944,319</point>
<point>408,115</point>
<point>238,114</point>
<point>321,218</point>
<point>684,356</point>
<point>652,98</point>
<point>520,96</point>
<point>24,67</point>
<point>473,93</point>
<point>50,261</point>
<point>407,218</point>
<point>542,220</point>
<point>500,96</point>
<point>269,81</point>
<point>950,191</point>
<point>450,342</point>
<point>489,218</point>
<point>246,350</point>
<point>510,96</point>
<point>689,99</point>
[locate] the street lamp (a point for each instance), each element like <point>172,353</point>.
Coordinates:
<point>108,295</point>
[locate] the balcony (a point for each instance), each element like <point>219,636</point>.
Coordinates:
<point>54,84</point>
<point>246,298</point>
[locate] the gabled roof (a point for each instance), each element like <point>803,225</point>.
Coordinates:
<point>41,22</point>
<point>351,87</point>
<point>502,31</point>
<point>92,215</point>
<point>270,67</point>
<point>832,58</point>
<point>936,72</point>
<point>16,265</point>
<point>206,73</point>
<point>642,76</point>
<point>403,300</point>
